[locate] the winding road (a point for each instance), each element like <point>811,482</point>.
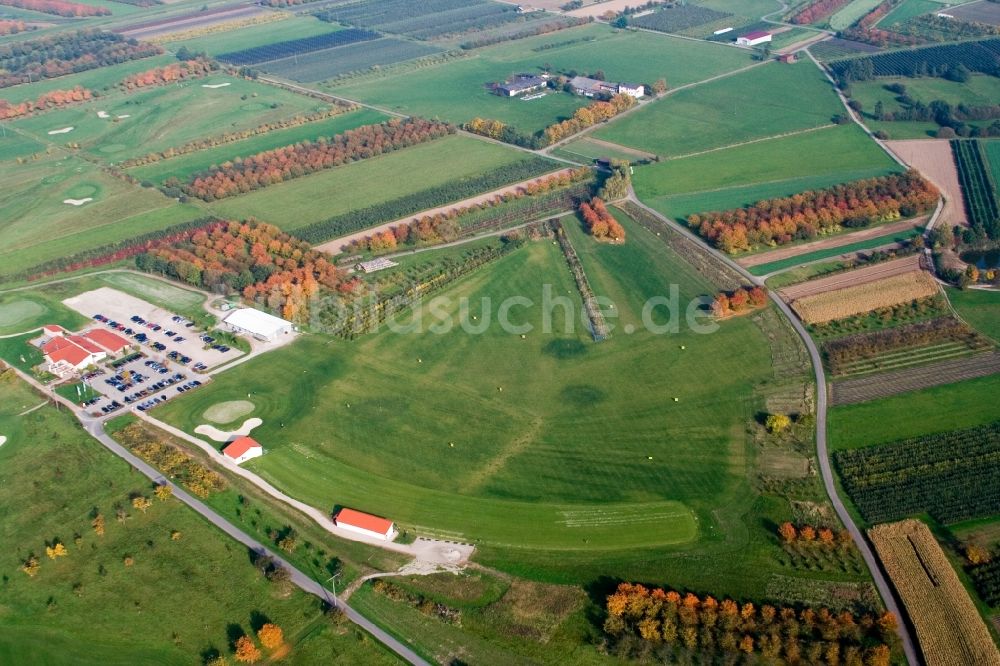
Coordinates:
<point>826,471</point>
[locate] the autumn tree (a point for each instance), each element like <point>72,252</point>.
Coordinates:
<point>271,636</point>
<point>246,651</point>
<point>30,566</point>
<point>976,554</point>
<point>98,524</point>
<point>57,549</point>
<point>141,503</point>
<point>788,532</point>
<point>777,423</point>
<point>163,492</point>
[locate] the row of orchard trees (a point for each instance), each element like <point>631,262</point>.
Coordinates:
<point>259,260</point>
<point>45,101</point>
<point>820,9</point>
<point>176,71</point>
<point>596,112</point>
<point>600,223</point>
<point>444,226</point>
<point>58,7</point>
<point>9,27</point>
<point>280,164</point>
<point>67,53</point>
<point>804,215</point>
<point>637,615</point>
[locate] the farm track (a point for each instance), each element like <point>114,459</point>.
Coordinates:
<point>165,26</point>
<point>890,599</point>
<point>851,278</point>
<point>830,243</point>
<point>887,384</point>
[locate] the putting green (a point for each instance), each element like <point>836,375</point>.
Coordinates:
<point>54,178</point>
<point>16,312</point>
<point>227,412</point>
<point>81,191</point>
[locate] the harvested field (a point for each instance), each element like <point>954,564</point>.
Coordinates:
<point>860,276</point>
<point>857,299</point>
<point>983,11</point>
<point>151,29</point>
<point>601,8</point>
<point>829,243</point>
<point>949,628</point>
<point>933,159</point>
<point>883,385</point>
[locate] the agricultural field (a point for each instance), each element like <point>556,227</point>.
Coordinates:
<point>978,188</point>
<point>296,27</point>
<point>716,114</point>
<point>981,309</point>
<point>952,476</point>
<point>942,408</point>
<point>850,14</point>
<point>145,121</point>
<point>743,175</point>
<point>183,166</point>
<point>977,56</point>
<point>426,20</point>
<point>585,50</point>
<point>38,226</point>
<point>678,18</point>
<point>977,12</point>
<point>908,9</point>
<point>297,203</point>
<point>992,150</point>
<point>136,572</point>
<point>948,626</point>
<point>277,50</point>
<point>356,57</point>
<point>848,301</point>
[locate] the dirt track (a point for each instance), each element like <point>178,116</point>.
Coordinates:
<point>336,246</point>
<point>158,28</point>
<point>831,242</point>
<point>883,385</point>
<point>933,159</point>
<point>851,278</point>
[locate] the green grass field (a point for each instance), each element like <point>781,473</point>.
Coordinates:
<point>154,114</point>
<point>454,91</point>
<point>746,174</point>
<point>14,144</point>
<point>296,27</point>
<point>183,166</point>
<point>897,237</point>
<point>979,90</point>
<point>847,16</point>
<point>803,273</point>
<point>53,478</point>
<point>102,79</point>
<point>298,202</point>
<point>992,150</point>
<point>949,407</point>
<point>27,310</point>
<point>981,309</point>
<point>909,9</point>
<point>37,225</point>
<point>728,111</point>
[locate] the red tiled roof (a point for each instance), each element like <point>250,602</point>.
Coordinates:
<point>756,34</point>
<point>239,446</point>
<point>365,521</point>
<point>86,344</point>
<point>53,328</point>
<point>106,339</point>
<point>67,351</point>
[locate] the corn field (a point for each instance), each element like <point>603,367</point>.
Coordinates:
<point>866,297</point>
<point>949,628</point>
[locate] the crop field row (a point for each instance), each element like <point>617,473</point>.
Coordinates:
<point>949,628</point>
<point>423,20</point>
<point>978,188</point>
<point>849,301</point>
<point>905,358</point>
<point>295,47</point>
<point>677,18</point>
<point>981,56</point>
<point>330,63</point>
<point>832,49</point>
<point>894,382</point>
<point>864,275</point>
<point>954,476</point>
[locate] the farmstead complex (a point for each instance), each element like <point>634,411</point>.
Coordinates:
<point>463,331</point>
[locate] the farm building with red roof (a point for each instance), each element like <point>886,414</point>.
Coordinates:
<point>366,524</point>
<point>242,449</point>
<point>66,355</point>
<point>754,38</point>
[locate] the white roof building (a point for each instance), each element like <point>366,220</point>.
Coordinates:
<point>260,325</point>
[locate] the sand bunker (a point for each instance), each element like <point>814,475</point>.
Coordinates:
<point>78,202</point>
<point>214,85</point>
<point>64,130</point>
<point>3,440</point>
<point>103,114</point>
<point>227,412</point>
<point>217,435</point>
<point>124,115</point>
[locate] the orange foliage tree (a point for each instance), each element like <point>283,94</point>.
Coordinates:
<point>246,651</point>
<point>178,71</point>
<point>599,222</point>
<point>58,7</point>
<point>49,100</point>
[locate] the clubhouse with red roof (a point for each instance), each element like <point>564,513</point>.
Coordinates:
<point>67,353</point>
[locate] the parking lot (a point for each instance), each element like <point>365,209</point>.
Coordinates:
<point>172,356</point>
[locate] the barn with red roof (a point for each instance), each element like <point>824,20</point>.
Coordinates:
<point>243,449</point>
<point>366,524</point>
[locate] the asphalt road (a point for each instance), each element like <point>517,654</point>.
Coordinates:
<point>826,471</point>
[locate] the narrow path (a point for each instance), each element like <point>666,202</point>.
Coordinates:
<point>95,428</point>
<point>333,98</point>
<point>749,141</point>
<point>826,471</point>
<point>31,409</point>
